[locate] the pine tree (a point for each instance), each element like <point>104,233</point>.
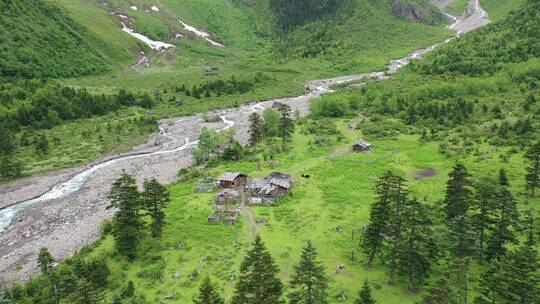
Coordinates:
<point>458,192</point>
<point>258,282</point>
<point>506,219</point>
<point>379,216</point>
<point>442,292</point>
<point>529,227</point>
<point>489,285</point>
<point>398,202</point>
<point>483,207</point>
<point>458,270</point>
<point>45,261</point>
<point>514,278</point>
<point>452,287</point>
<point>532,178</point>
<point>417,250</point>
<point>208,294</point>
<point>286,123</point>
<point>155,198</point>
<point>364,296</point>
<point>255,129</point>
<point>86,293</point>
<point>309,283</point>
<point>520,276</point>
<point>461,236</point>
<point>127,221</point>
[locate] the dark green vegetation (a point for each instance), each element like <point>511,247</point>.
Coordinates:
<point>39,40</point>
<point>74,281</point>
<point>491,49</point>
<point>290,14</point>
<point>467,234</point>
<point>31,111</point>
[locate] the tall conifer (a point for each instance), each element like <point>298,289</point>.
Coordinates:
<point>309,283</point>
<point>364,296</point>
<point>532,178</point>
<point>255,129</point>
<point>127,220</point>
<point>506,219</point>
<point>458,192</point>
<point>379,217</point>
<point>208,294</point>
<point>258,282</point>
<point>417,250</point>
<point>155,198</point>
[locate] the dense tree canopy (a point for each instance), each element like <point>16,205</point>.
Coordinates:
<point>514,39</point>
<point>290,14</point>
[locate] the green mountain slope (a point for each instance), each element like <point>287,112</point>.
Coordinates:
<point>37,39</point>
<point>363,37</point>
<point>488,79</point>
<point>486,51</point>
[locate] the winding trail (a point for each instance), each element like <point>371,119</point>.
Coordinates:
<point>67,215</point>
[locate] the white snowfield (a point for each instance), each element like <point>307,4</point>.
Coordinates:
<point>156,45</point>
<point>200,33</point>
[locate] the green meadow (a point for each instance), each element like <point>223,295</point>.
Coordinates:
<point>324,208</point>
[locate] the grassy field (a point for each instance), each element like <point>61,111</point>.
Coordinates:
<point>498,9</point>
<point>457,7</point>
<point>337,194</point>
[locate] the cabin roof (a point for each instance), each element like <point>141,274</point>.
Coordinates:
<point>280,179</point>
<point>363,144</point>
<point>231,176</point>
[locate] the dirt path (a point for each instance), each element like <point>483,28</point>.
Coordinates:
<point>247,215</point>
<point>69,207</point>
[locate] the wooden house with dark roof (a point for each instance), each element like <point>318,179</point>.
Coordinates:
<point>362,146</point>
<point>233,180</point>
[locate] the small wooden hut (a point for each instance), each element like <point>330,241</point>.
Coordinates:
<point>362,146</point>
<point>279,183</point>
<point>232,180</point>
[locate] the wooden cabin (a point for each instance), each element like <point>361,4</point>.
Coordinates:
<point>232,180</point>
<point>279,183</point>
<point>362,146</point>
<point>267,190</point>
